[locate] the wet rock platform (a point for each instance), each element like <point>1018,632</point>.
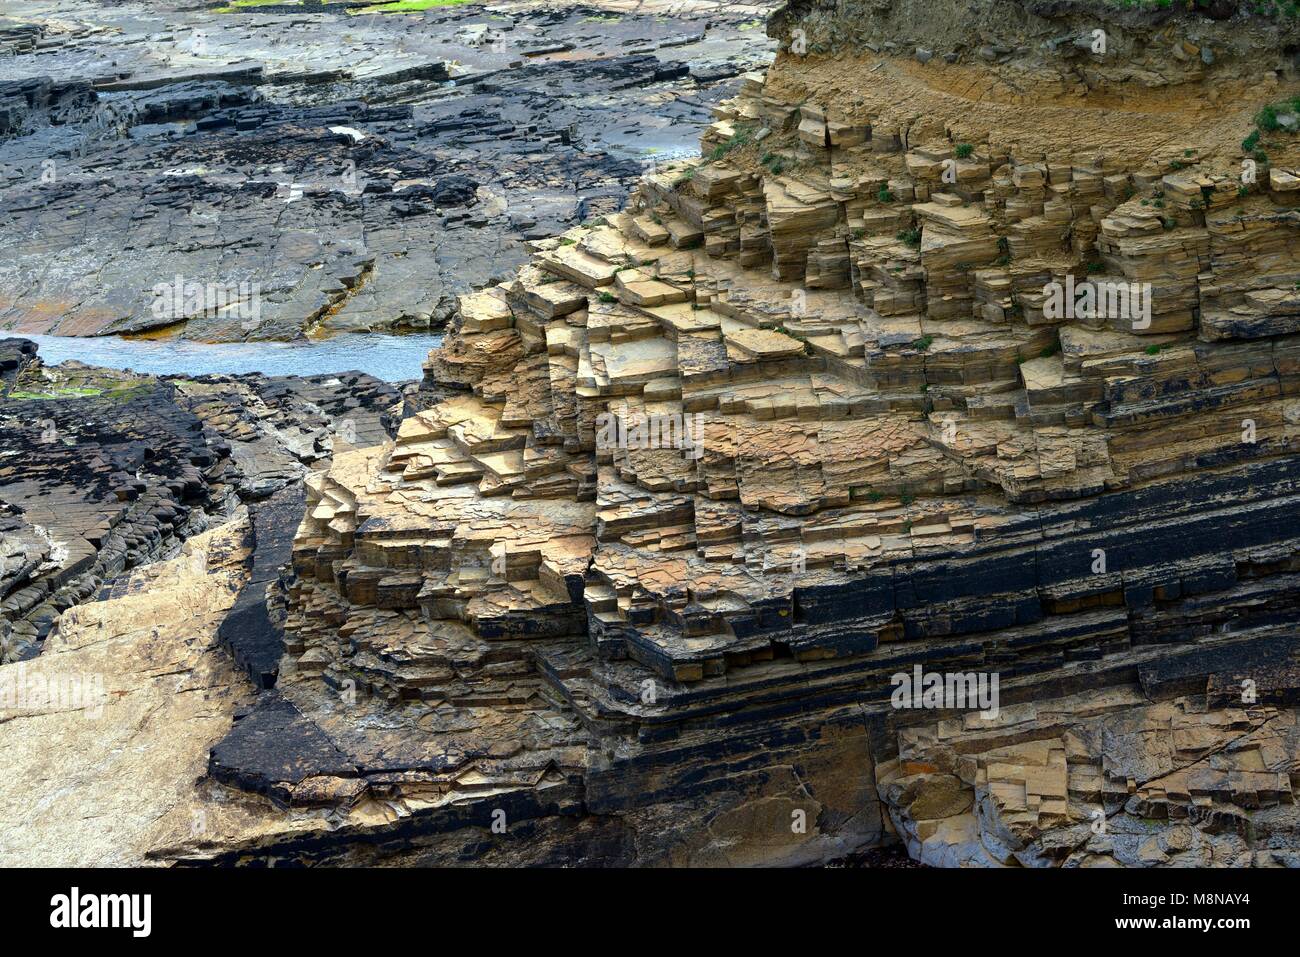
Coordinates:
<point>332,169</point>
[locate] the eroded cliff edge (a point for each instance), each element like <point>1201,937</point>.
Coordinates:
<point>511,643</point>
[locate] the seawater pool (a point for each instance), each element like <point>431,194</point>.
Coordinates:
<point>388,357</point>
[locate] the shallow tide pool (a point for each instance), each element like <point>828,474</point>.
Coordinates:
<point>392,358</point>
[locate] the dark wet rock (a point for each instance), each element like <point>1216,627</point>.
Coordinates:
<point>454,190</point>
<point>102,480</point>
<point>272,748</point>
<point>15,356</point>
<point>30,103</point>
<point>103,471</point>
<point>252,632</point>
<point>316,169</point>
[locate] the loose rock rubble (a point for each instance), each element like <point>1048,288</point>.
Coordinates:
<point>706,477</point>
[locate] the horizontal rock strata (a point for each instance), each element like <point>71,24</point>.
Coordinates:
<point>103,471</point>
<point>710,477</point>
<point>325,167</point>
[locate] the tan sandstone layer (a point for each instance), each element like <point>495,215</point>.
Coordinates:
<point>511,642</point>
<point>103,737</point>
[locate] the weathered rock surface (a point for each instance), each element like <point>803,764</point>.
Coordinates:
<point>102,471</point>
<point>1124,776</point>
<point>326,170</point>
<point>707,475</point>
<point>120,711</point>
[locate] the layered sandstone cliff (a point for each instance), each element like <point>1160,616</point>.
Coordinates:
<point>528,631</point>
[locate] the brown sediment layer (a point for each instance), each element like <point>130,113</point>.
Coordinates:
<point>508,641</point>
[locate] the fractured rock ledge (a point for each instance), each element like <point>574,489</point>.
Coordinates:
<point>681,652</point>
<point>340,169</point>
<point>510,641</point>
<point>103,471</point>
